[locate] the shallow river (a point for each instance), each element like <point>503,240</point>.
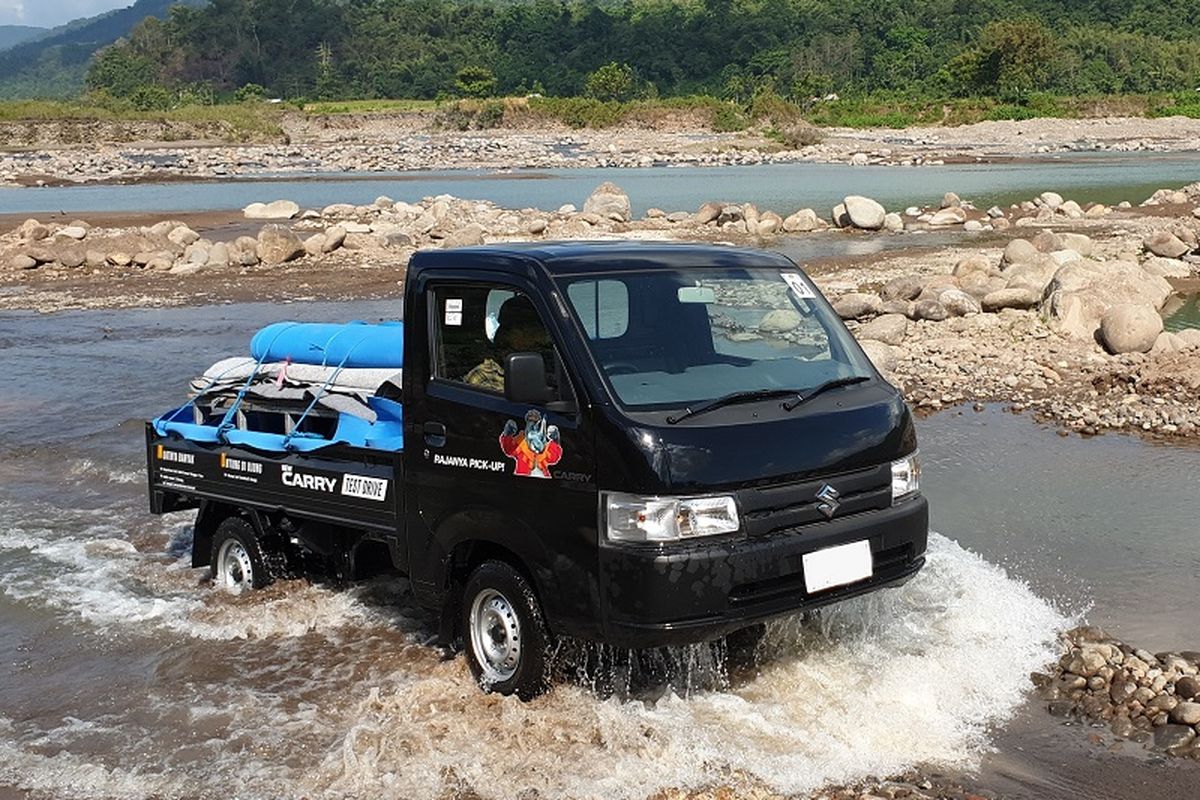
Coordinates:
<point>1103,178</point>
<point>123,674</point>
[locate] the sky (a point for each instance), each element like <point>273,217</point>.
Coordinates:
<point>48,13</point>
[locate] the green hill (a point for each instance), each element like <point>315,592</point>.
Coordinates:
<point>54,64</point>
<point>12,35</point>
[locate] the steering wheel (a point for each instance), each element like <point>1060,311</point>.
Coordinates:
<point>620,368</point>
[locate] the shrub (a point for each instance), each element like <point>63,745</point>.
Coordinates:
<point>251,91</point>
<point>151,98</point>
<point>612,82</point>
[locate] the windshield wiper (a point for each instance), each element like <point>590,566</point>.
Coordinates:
<point>824,387</point>
<point>731,399</point>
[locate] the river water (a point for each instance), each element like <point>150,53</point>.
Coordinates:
<point>1103,178</point>
<point>124,674</point>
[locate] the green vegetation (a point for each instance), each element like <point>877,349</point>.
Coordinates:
<point>233,121</point>
<point>722,63</point>
<point>1004,50</point>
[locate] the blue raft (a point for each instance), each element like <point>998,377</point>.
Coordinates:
<point>353,345</point>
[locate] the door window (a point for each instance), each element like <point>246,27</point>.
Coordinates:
<point>478,327</point>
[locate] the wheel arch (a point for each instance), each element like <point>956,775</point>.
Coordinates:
<point>210,516</point>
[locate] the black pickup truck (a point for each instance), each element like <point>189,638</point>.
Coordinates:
<point>642,444</point>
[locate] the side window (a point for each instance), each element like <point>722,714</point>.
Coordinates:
<point>602,306</point>
<point>478,326</point>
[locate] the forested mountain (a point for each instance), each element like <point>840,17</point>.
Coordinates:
<point>11,35</point>
<point>54,63</point>
<point>729,48</point>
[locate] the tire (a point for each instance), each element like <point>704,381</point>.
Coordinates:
<point>507,642</point>
<point>238,561</point>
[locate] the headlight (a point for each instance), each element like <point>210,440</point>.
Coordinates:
<point>906,478</point>
<point>628,518</point>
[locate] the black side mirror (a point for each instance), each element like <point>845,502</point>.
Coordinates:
<point>525,379</point>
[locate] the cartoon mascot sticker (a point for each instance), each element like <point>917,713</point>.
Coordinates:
<point>535,449</point>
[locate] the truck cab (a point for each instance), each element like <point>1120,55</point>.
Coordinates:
<point>641,444</point>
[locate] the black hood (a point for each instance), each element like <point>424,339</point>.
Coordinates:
<point>759,444</point>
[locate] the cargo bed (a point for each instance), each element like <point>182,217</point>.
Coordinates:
<point>340,484</point>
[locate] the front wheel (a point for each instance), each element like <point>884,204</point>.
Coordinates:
<point>505,633</point>
<point>237,558</point>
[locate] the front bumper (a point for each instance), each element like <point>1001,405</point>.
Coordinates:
<point>655,596</point>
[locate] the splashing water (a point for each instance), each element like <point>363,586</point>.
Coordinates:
<point>300,690</point>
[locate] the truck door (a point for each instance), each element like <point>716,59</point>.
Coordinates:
<point>482,468</point>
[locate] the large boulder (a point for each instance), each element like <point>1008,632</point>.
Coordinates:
<point>1165,244</point>
<point>889,329</point>
<point>864,212</point>
<point>839,216</point>
<point>857,305</point>
<point>609,201</point>
<point>277,209</point>
<point>905,287</point>
<point>182,235</point>
<point>802,221</point>
<point>32,231</point>
<point>1010,298</point>
<point>1047,242</point>
<point>882,355</point>
<point>1081,292</point>
<point>1129,328</point>
<point>1167,267</point>
<point>469,235</point>
<point>1034,275</point>
<point>1018,251</point>
<point>278,244</point>
<point>948,216</point>
<point>708,213</point>
<point>1078,242</point>
<point>335,235</point>
<point>975,263</point>
<point>959,303</point>
<point>930,309</point>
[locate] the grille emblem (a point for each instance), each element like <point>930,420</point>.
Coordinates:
<point>828,501</point>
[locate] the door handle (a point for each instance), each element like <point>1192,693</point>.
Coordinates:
<point>435,434</point>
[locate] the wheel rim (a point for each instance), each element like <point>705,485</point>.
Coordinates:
<point>495,636</point>
<point>234,570</point>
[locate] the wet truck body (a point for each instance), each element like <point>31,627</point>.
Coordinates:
<point>641,444</point>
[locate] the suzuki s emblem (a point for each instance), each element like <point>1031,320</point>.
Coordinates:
<point>828,497</point>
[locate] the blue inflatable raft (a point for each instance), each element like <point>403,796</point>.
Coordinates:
<point>378,422</point>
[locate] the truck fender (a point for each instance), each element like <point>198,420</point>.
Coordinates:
<point>469,536</point>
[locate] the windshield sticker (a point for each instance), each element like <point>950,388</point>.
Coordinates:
<point>454,307</point>
<point>534,449</point>
<point>798,285</point>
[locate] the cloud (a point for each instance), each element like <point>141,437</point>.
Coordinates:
<point>11,12</point>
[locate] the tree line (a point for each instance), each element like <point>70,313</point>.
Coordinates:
<point>621,49</point>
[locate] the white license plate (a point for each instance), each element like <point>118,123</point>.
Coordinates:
<point>837,566</point>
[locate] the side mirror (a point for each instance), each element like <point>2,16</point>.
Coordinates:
<point>525,379</point>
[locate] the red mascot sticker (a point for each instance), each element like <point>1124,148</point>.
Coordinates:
<point>535,449</point>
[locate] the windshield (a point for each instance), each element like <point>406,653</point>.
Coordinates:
<point>671,337</point>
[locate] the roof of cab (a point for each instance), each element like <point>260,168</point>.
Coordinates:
<point>571,257</point>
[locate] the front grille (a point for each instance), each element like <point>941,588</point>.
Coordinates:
<point>788,507</point>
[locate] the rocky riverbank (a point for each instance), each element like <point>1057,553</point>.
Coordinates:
<point>1046,306</point>
<point>52,152</point>
<point>1151,698</point>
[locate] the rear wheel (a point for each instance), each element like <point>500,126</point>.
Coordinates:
<point>237,560</point>
<point>505,632</point>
